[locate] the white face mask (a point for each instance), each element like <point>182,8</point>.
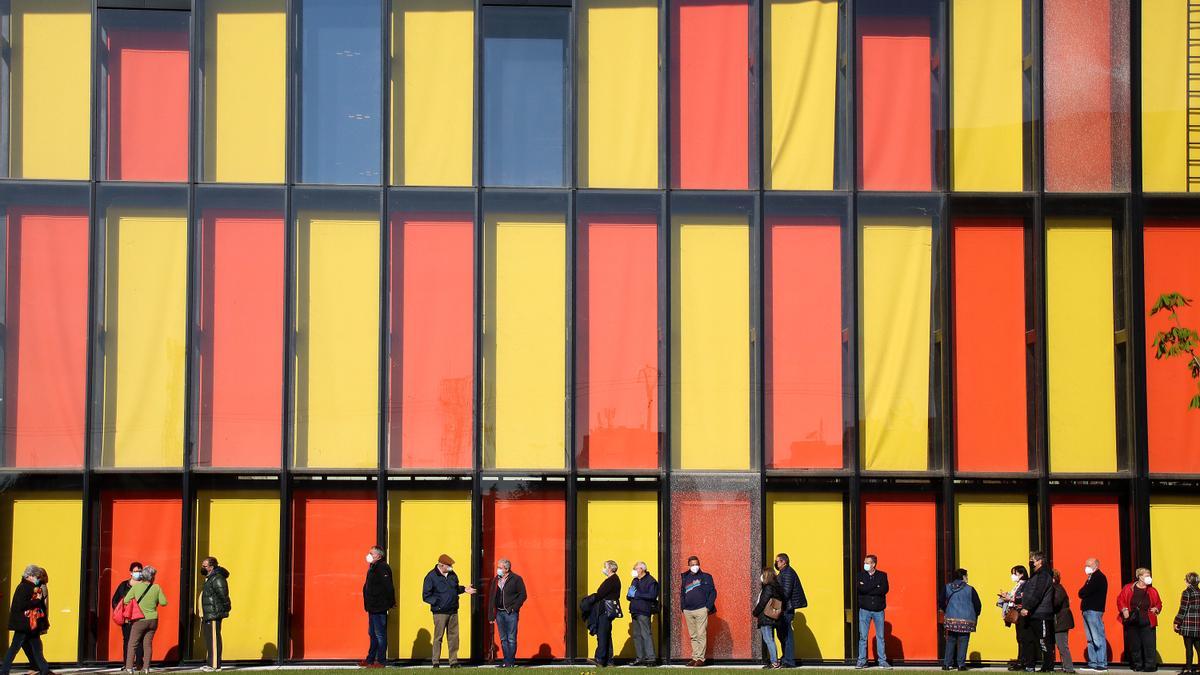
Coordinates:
<point>370,558</point>
<point>1016,578</point>
<point>449,569</point>
<point>603,571</point>
<point>1147,580</point>
<point>137,576</point>
<point>499,572</point>
<point>866,567</point>
<point>695,569</point>
<point>1089,570</point>
<point>762,578</point>
<point>633,573</point>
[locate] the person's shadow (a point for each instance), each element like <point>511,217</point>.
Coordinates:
<point>720,641</point>
<point>270,651</point>
<point>423,645</point>
<point>543,653</point>
<point>893,644</point>
<point>805,641</point>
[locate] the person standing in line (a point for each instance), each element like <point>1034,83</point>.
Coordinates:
<point>1139,605</point>
<point>135,575</point>
<point>872,589</point>
<point>771,590</point>
<point>149,596</point>
<point>440,591</point>
<point>214,608</point>
<point>697,599</point>
<point>27,619</point>
<point>1010,604</point>
<point>1064,621</point>
<point>961,607</point>
<point>608,598</point>
<point>643,605</point>
<point>794,599</point>
<point>1037,605</point>
<point>1187,621</point>
<point>1093,597</point>
<point>508,595</point>
<point>379,597</point>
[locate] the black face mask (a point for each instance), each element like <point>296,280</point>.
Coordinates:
<point>203,572</point>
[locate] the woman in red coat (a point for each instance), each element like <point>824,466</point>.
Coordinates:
<point>1139,606</point>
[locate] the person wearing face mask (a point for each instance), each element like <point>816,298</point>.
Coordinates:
<point>794,599</point>
<point>771,590</point>
<point>872,587</point>
<point>643,605</point>
<point>961,607</point>
<point>27,619</point>
<point>1037,605</point>
<point>1139,605</point>
<point>440,591</point>
<point>607,608</point>
<point>1064,621</point>
<point>697,599</point>
<point>135,575</point>
<point>1187,621</point>
<point>508,595</point>
<point>214,608</point>
<point>1010,605</point>
<point>1093,596</point>
<point>149,596</point>
<point>379,597</point>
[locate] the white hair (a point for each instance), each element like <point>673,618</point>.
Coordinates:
<point>505,563</point>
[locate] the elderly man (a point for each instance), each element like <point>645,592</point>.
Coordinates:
<point>1092,598</point>
<point>379,597</point>
<point>440,592</point>
<point>643,605</point>
<point>508,594</point>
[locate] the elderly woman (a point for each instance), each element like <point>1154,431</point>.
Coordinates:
<point>149,596</point>
<point>1187,621</point>
<point>608,595</point>
<point>27,620</point>
<point>1139,605</point>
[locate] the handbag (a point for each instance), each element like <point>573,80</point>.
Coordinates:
<point>774,608</point>
<point>1011,615</point>
<point>612,609</point>
<point>128,612</point>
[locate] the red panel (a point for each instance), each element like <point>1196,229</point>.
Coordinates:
<point>990,410</point>
<point>147,105</point>
<point>710,117</point>
<point>144,528</point>
<point>531,531</point>
<point>1170,251</point>
<point>804,343</point>
<point>432,383</point>
<point>46,374</point>
<point>894,103</point>
<point>1082,528</point>
<point>617,366</point>
<point>902,531</point>
<point>331,533</point>
<point>241,341</point>
<point>714,526</point>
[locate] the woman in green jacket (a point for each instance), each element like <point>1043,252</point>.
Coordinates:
<point>149,597</point>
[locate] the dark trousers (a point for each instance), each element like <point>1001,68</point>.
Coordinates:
<point>377,632</point>
<point>507,623</point>
<point>604,645</point>
<point>956,650</point>
<point>1026,642</point>
<point>643,637</point>
<point>212,641</point>
<point>31,643</point>
<point>1190,644</point>
<point>1141,649</point>
<point>787,638</point>
<point>125,628</point>
<point>1044,631</point>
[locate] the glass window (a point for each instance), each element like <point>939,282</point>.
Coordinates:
<point>617,386</point>
<point>337,329</point>
<point>1090,526</point>
<point>144,81</point>
<point>525,79</point>
<point>431,327</point>
<point>1172,554</point>
<point>1165,74</point>
<point>241,326</point>
<point>143,325</point>
<point>902,530</point>
<point>794,518</point>
<point>45,334</point>
<point>341,92</point>
<point>993,535</point>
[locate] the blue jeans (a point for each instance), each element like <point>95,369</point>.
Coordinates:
<point>507,623</point>
<point>768,636</point>
<point>377,631</point>
<point>865,618</point>
<point>956,650</point>
<point>1097,645</point>
<point>787,638</point>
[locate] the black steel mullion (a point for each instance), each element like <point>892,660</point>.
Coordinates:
<point>187,511</point>
<point>569,421</point>
<point>478,604</point>
<point>1139,486</point>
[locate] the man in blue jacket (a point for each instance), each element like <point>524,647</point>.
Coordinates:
<point>441,591</point>
<point>643,605</point>
<point>793,592</point>
<point>698,599</point>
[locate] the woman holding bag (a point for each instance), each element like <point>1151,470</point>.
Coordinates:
<point>768,610</point>
<point>148,597</point>
<point>1139,605</point>
<point>27,620</point>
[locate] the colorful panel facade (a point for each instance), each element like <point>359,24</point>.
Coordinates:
<point>902,531</point>
<point>793,520</point>
<point>993,536</point>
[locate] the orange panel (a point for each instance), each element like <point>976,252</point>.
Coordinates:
<point>1082,528</point>
<point>331,533</point>
<point>894,104</point>
<point>990,405</point>
<point>142,527</point>
<point>902,531</point>
<point>804,343</point>
<point>148,105</point>
<point>1170,255</point>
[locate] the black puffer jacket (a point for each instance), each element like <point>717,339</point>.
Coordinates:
<point>771,590</point>
<point>214,599</point>
<point>379,595</point>
<point>793,590</point>
<point>1037,595</point>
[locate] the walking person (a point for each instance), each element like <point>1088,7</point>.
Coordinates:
<point>508,595</point>
<point>1010,608</point>
<point>1139,605</point>
<point>1093,597</point>
<point>214,608</point>
<point>1064,621</point>
<point>27,619</point>
<point>1187,621</point>
<point>440,591</point>
<point>643,605</point>
<point>608,608</point>
<point>769,611</point>
<point>135,575</point>
<point>794,599</point>
<point>149,597</point>
<point>697,599</point>
<point>872,587</point>
<point>379,597</point>
<point>960,607</point>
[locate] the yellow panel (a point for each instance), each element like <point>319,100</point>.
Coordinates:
<point>525,342</point>
<point>1079,338</point>
<point>897,295</point>
<point>415,546</point>
<point>623,527</point>
<point>710,370</point>
<point>51,94</point>
<point>1164,95</point>
<point>618,92</point>
<point>240,528</point>
<point>45,530</point>
<point>433,66</point>
<point>145,320</point>
<point>337,344</point>
<point>793,522</point>
<point>987,95</point>
<point>801,93</point>
<point>245,90</point>
<point>1174,554</point>
<point>993,535</point>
